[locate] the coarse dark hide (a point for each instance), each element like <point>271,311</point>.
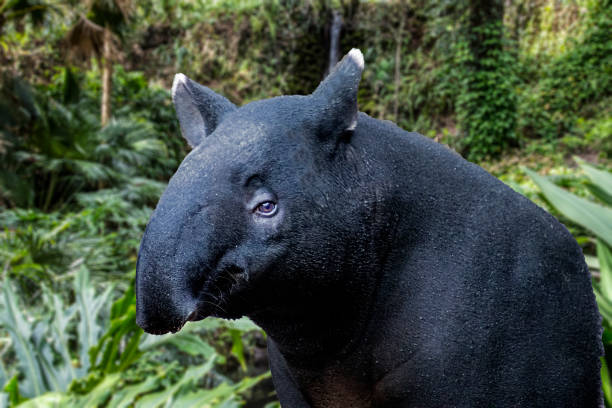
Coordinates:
<point>386,270</point>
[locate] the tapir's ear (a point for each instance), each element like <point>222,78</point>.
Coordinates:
<point>336,96</point>
<point>199,109</point>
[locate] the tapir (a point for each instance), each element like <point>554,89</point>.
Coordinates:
<point>386,270</point>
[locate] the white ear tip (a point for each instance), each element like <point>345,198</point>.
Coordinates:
<point>356,55</point>
<point>179,79</point>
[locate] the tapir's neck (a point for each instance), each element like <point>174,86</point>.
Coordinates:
<point>334,323</point>
<point>314,326</point>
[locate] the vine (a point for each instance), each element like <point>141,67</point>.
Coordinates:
<point>486,103</point>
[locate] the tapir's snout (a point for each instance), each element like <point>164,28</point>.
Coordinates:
<point>161,308</point>
<point>163,303</point>
<point>173,262</point>
<point>181,250</point>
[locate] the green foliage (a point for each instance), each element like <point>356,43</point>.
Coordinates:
<point>597,218</point>
<point>38,248</point>
<point>75,196</point>
<point>18,10</point>
<point>593,216</point>
<point>13,396</point>
<point>43,344</point>
<point>571,85</point>
<point>249,50</point>
<point>111,13</point>
<point>106,355</point>
<point>486,105</point>
<point>110,366</point>
<point>66,152</point>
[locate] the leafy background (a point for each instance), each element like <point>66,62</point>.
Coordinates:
<point>88,140</point>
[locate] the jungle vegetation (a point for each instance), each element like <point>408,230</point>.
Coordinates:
<point>89,138</point>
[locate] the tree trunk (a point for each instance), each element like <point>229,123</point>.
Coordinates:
<point>107,72</point>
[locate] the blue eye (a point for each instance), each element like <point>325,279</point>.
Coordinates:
<point>267,208</point>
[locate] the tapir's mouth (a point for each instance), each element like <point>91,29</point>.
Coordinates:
<point>218,292</point>
<point>219,296</point>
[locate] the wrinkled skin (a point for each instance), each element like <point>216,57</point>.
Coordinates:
<point>386,270</point>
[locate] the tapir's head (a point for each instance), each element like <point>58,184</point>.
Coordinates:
<point>253,207</point>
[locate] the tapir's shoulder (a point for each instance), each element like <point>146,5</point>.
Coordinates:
<point>387,132</point>
<point>460,199</point>
<point>414,151</point>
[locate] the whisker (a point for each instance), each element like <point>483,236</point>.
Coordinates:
<point>229,278</point>
<point>215,305</point>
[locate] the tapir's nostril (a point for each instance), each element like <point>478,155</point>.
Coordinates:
<point>192,316</point>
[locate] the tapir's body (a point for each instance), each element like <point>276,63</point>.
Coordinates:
<point>477,303</point>
<point>386,270</point>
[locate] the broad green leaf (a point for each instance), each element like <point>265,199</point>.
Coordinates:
<point>12,389</point>
<point>126,396</point>
<point>192,344</point>
<point>20,331</point>
<point>590,215</point>
<point>222,396</point>
<point>605,306</point>
<point>166,397</point>
<point>238,347</point>
<point>48,400</point>
<point>54,375</point>
<point>89,307</point>
<point>108,354</point>
<point>243,324</point>
<point>131,352</point>
<point>599,193</point>
<point>606,385</point>
<point>601,179</point>
<point>102,392</point>
<point>186,340</point>
<point>592,262</point>
<point>605,269</point>
<point>606,337</point>
<point>248,382</point>
<point>62,316</point>
<point>203,398</point>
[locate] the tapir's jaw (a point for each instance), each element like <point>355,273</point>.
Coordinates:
<point>156,314</point>
<point>168,310</point>
<point>159,326</point>
<point>166,296</point>
<point>221,294</point>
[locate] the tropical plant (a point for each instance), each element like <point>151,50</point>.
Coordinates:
<point>597,218</point>
<point>38,249</point>
<point>17,10</point>
<point>486,105</point>
<point>44,344</point>
<point>66,152</point>
<point>93,36</point>
<point>65,356</point>
<point>75,194</point>
<point>570,86</point>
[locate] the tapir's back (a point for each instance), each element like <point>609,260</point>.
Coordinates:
<point>496,291</point>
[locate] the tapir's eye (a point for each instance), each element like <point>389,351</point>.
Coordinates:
<point>266,209</point>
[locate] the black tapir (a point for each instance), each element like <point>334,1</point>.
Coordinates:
<point>386,270</point>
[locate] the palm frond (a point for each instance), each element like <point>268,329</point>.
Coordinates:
<point>86,39</point>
